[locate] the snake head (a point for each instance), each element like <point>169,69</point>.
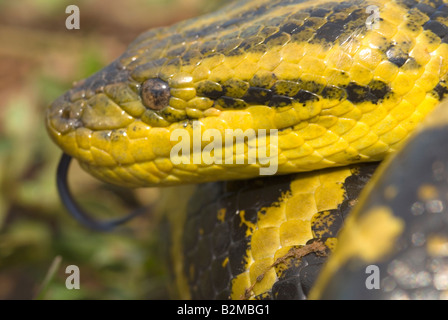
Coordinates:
<point>119,122</point>
<point>336,91</point>
<point>86,120</point>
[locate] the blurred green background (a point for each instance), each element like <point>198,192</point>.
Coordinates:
<point>39,60</point>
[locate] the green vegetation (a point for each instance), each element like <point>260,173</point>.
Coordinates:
<point>39,59</point>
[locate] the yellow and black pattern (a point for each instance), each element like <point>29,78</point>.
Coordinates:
<point>238,235</point>
<point>337,92</point>
<point>401,227</point>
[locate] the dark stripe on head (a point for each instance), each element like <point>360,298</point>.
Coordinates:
<point>280,93</point>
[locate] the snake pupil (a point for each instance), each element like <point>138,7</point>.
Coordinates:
<point>155,94</point>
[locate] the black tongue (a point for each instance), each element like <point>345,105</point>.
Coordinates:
<point>75,210</point>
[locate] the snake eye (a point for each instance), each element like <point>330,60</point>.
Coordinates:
<point>155,94</point>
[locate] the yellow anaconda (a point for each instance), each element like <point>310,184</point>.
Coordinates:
<point>262,87</point>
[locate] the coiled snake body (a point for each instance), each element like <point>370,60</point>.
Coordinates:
<point>341,83</point>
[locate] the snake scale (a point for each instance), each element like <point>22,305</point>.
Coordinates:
<point>330,88</point>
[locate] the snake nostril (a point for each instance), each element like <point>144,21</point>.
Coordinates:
<point>155,94</point>
<point>65,113</point>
